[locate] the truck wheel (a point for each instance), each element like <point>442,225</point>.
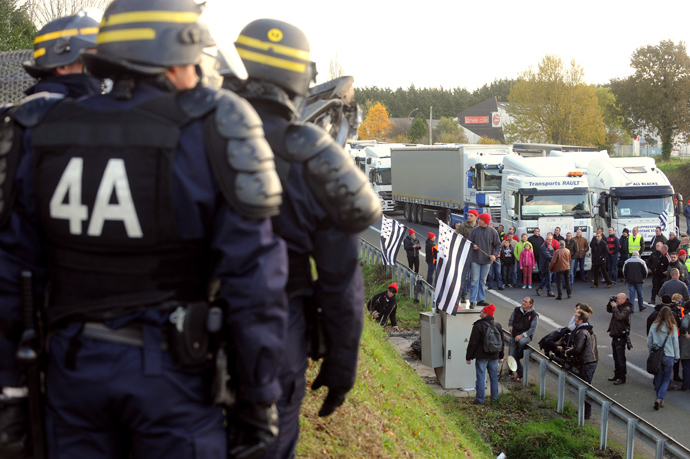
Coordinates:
<point>420,214</point>
<point>407,211</point>
<point>449,217</point>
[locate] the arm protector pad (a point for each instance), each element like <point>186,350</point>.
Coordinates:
<point>341,188</point>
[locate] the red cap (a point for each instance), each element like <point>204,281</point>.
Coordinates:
<point>486,218</point>
<point>682,252</point>
<point>431,235</point>
<point>473,212</point>
<point>489,310</point>
<point>395,286</point>
<point>410,231</point>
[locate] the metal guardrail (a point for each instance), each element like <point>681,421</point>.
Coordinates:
<point>664,445</point>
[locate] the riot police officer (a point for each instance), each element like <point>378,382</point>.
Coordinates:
<point>56,62</point>
<point>326,202</point>
<point>125,207</point>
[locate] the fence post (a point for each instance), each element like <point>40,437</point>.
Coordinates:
<point>561,392</point>
<point>630,451</point>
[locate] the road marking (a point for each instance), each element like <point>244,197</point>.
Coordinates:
<point>643,372</point>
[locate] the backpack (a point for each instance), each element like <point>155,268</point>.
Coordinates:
<point>493,341</point>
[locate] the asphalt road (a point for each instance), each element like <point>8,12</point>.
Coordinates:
<point>637,394</point>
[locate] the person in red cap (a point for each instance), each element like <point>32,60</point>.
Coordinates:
<point>683,257</point>
<point>384,305</point>
<point>412,245</point>
<point>486,347</point>
<point>431,249</point>
<point>485,251</point>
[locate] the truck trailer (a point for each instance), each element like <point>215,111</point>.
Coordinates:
<point>440,181</point>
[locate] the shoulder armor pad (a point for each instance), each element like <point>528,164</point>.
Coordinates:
<point>336,182</point>
<point>34,108</point>
<point>197,102</point>
<point>304,141</point>
<point>242,159</point>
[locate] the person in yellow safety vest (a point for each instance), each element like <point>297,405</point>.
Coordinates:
<point>635,242</point>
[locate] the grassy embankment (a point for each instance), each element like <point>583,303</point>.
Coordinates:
<point>677,170</point>
<point>392,413</point>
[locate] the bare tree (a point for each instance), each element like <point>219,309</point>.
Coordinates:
<point>335,68</point>
<point>44,11</point>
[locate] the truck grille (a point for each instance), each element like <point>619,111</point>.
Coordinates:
<point>495,213</point>
<point>387,195</point>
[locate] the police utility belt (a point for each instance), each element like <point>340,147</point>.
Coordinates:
<point>186,334</point>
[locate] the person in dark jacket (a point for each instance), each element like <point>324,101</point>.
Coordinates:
<point>613,245</point>
<point>680,266</point>
<point>536,240</point>
<point>582,352</point>
<point>560,264</point>
<point>384,305</point>
<point>545,257</point>
<point>465,229</point>
<point>522,326</point>
<point>658,237</point>
<point>660,269</point>
<point>674,285</point>
<point>619,329</point>
<point>484,360</point>
<point>571,245</point>
<point>507,262</point>
<point>624,253</point>
<point>635,272</point>
<point>666,300</point>
<point>599,252</point>
<point>673,242</point>
<point>431,251</point>
<point>412,245</point>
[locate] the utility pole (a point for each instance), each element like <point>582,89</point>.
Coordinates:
<point>431,117</point>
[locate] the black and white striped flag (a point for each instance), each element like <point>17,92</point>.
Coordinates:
<point>663,218</point>
<point>392,233</point>
<point>452,266</point>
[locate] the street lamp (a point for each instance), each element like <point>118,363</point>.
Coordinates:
<point>410,114</point>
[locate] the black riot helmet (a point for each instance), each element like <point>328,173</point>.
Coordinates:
<point>60,41</point>
<point>147,37</point>
<point>277,52</point>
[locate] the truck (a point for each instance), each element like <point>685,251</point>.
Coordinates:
<point>632,191</point>
<point>374,159</point>
<point>543,149</point>
<point>545,193</point>
<point>445,181</point>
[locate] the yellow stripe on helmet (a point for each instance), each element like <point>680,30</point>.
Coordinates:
<point>149,16</point>
<point>39,52</point>
<point>125,35</point>
<point>272,61</point>
<point>279,49</point>
<point>65,33</point>
<point>54,35</point>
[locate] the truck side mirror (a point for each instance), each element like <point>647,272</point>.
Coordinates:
<point>511,213</point>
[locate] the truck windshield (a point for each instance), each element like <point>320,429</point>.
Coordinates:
<point>489,180</point>
<point>571,204</point>
<point>647,207</point>
<point>381,176</point>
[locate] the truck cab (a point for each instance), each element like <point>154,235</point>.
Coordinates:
<point>545,193</point>
<point>629,192</point>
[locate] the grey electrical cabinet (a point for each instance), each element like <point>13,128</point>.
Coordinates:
<point>432,345</point>
<point>455,373</point>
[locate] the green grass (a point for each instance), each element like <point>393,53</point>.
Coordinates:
<point>392,413</point>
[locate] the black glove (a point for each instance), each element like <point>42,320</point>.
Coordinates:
<point>334,399</point>
<point>14,428</point>
<point>251,429</point>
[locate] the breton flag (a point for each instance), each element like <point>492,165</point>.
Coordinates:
<point>392,233</point>
<point>663,218</point>
<point>452,266</point>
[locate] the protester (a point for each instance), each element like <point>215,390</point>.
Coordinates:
<point>635,272</point>
<point>674,286</point>
<point>658,237</point>
<point>412,245</point>
<point>635,241</point>
<point>613,245</point>
<point>384,305</point>
<point>673,242</point>
<point>465,229</point>
<point>507,263</point>
<point>664,333</point>
<point>571,245</point>
<point>485,251</point>
<point>522,324</point>
<point>544,262</point>
<point>581,351</point>
<point>684,343</point>
<point>686,213</point>
<point>557,235</point>
<point>431,250</point>
<point>560,264</point>
<point>680,266</point>
<point>619,331</point>
<point>527,265</point>
<point>658,265</point>
<point>486,359</point>
<point>623,251</point>
<point>599,252</point>
<point>582,249</point>
<point>517,250</point>
<point>536,240</point>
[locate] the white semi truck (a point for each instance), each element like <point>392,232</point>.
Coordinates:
<point>374,159</point>
<point>445,181</point>
<point>632,191</point>
<point>545,193</point>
